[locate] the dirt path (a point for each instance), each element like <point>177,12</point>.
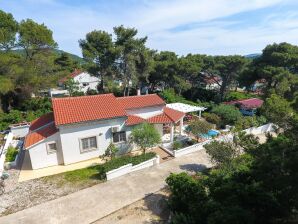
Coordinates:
<point>151,209</point>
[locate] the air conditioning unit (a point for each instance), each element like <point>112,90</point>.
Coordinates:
<point>115,129</point>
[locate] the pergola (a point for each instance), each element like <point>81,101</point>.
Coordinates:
<point>186,108</point>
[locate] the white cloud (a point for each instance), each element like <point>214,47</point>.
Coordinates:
<point>156,18</point>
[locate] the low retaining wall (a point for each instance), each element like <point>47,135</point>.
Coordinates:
<point>260,130</point>
<point>190,149</point>
<point>128,168</point>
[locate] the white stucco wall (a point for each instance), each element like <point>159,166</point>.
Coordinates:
<point>159,128</point>
<point>39,156</point>
<point>71,134</point>
<point>146,112</point>
<point>85,77</point>
<point>20,131</point>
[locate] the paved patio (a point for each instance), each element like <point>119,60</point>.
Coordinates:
<point>91,204</point>
<point>27,173</point>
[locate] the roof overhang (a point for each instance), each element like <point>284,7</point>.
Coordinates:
<point>185,108</point>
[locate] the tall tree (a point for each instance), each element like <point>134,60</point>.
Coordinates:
<point>99,49</point>
<point>130,50</point>
<point>228,68</point>
<point>34,38</point>
<point>8,30</point>
<point>278,66</point>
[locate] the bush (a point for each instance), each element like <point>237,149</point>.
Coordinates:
<point>11,154</point>
<point>228,113</point>
<point>177,145</point>
<point>212,118</point>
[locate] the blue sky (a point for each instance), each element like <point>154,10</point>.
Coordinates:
<point>184,26</point>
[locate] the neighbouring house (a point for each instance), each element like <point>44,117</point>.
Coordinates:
<point>210,81</point>
<point>258,86</point>
<point>81,128</point>
<point>84,80</point>
<point>247,107</point>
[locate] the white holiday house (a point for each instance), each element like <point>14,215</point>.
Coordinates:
<point>81,128</point>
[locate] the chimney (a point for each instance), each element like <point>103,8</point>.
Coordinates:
<point>138,91</point>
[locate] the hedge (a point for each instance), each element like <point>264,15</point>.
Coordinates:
<point>11,154</point>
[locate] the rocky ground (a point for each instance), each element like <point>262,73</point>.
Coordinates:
<point>21,195</point>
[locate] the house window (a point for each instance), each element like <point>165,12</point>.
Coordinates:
<point>88,144</point>
<point>119,136</point>
<point>85,84</point>
<point>52,148</point>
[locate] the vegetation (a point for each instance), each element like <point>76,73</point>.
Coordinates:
<point>145,136</point>
<point>11,154</point>
<point>182,144</point>
<point>198,127</point>
<point>111,151</point>
<point>228,113</point>
<point>212,118</point>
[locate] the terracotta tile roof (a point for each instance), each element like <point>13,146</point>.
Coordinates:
<point>247,103</point>
<point>131,102</point>
<point>174,115</point>
<point>133,120</point>
<point>75,73</point>
<point>86,108</point>
<point>41,121</point>
<point>39,135</point>
<point>159,119</point>
<point>168,116</point>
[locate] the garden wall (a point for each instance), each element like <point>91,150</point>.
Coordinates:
<point>261,130</point>
<point>128,168</point>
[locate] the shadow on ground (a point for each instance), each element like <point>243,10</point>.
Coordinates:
<point>158,205</point>
<point>193,167</point>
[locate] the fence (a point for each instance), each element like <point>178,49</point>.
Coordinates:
<point>128,168</point>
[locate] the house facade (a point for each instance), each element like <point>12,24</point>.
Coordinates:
<point>81,128</point>
<point>83,79</point>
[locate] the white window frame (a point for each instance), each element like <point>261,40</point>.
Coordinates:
<point>119,137</point>
<point>51,151</point>
<point>89,149</point>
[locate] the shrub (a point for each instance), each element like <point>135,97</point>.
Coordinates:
<point>212,118</point>
<point>177,145</point>
<point>228,113</point>
<point>11,154</point>
<point>238,96</point>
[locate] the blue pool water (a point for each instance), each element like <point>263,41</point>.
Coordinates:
<point>210,134</point>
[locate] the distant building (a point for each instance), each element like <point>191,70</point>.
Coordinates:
<point>210,81</point>
<point>84,79</point>
<point>247,107</point>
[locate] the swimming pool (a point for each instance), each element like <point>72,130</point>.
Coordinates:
<point>211,133</point>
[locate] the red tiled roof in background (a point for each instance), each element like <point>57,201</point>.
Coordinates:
<point>86,108</point>
<point>41,121</point>
<point>247,103</point>
<point>75,73</point>
<point>131,102</point>
<point>133,120</point>
<point>39,135</point>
